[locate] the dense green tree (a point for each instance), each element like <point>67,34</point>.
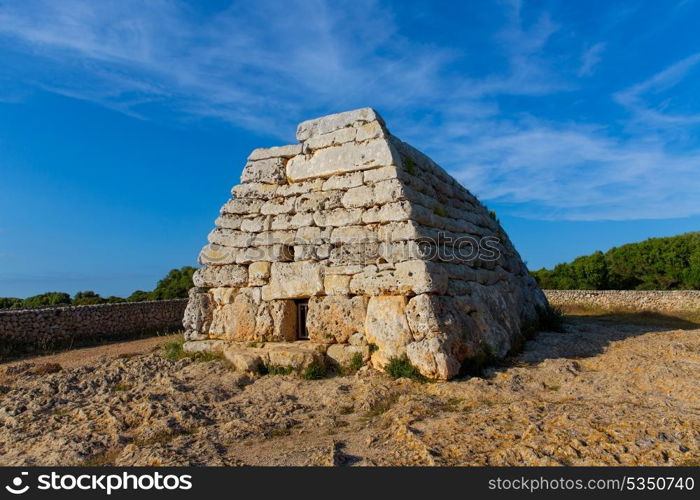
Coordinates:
<point>653,264</point>
<point>86,298</point>
<point>175,285</point>
<point>139,296</point>
<point>10,303</point>
<point>47,299</point>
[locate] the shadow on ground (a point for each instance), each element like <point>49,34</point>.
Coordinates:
<point>588,335</point>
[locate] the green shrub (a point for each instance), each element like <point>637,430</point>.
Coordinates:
<point>402,368</point>
<point>175,285</point>
<point>47,299</point>
<point>173,350</point>
<point>409,164</point>
<point>654,264</point>
<point>440,210</point>
<point>10,303</point>
<point>550,319</point>
<point>373,348</point>
<point>139,296</point>
<point>278,370</point>
<point>314,371</point>
<point>87,298</point>
<point>356,363</point>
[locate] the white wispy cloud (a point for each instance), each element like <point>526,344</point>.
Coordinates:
<point>590,58</point>
<point>266,65</point>
<point>637,97</point>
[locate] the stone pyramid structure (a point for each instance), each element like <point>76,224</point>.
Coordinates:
<point>353,243</point>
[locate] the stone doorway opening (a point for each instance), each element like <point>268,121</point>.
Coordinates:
<point>302,313</point>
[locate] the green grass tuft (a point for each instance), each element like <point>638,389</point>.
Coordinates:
<point>278,370</point>
<point>173,350</point>
<point>314,371</point>
<point>355,363</point>
<point>550,319</point>
<point>402,368</point>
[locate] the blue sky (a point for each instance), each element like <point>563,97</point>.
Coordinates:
<point>124,124</point>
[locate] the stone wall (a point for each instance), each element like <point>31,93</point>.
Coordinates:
<point>662,301</point>
<point>37,330</point>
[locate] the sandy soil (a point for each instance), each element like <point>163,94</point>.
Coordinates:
<point>603,393</point>
<point>87,355</point>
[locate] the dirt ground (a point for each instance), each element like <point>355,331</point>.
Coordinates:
<point>605,392</point>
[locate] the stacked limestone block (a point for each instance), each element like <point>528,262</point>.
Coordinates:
<point>377,237</point>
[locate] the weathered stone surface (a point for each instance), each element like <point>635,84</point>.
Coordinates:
<point>349,157</point>
<point>342,355</point>
<point>337,218</point>
<point>255,224</point>
<point>216,276</point>
<point>198,314</point>
<point>284,320</point>
<point>259,273</point>
<point>296,356</point>
<point>344,181</point>
<point>331,123</point>
<point>409,278</point>
<point>358,197</point>
<point>335,318</point>
<point>277,206</point>
<point>213,346</point>
<point>257,190</point>
<point>336,284</point>
<point>335,138</point>
<point>433,359</point>
<point>293,280</point>
<point>244,360</point>
<point>237,320</point>
<point>242,206</point>
<point>269,171</point>
<point>275,152</point>
<point>386,327</point>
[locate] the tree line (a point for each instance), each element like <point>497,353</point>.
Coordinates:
<point>174,285</point>
<point>671,263</point>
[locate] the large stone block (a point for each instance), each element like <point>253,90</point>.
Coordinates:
<point>268,171</point>
<point>331,123</point>
<point>214,276</point>
<point>275,152</point>
<point>276,321</point>
<point>198,314</point>
<point>409,278</point>
<point>296,356</point>
<point>387,328</point>
<point>335,318</point>
<point>342,355</point>
<point>349,157</point>
<point>237,320</point>
<point>259,273</point>
<point>292,280</point>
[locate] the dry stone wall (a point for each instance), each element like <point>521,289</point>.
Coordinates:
<point>381,241</point>
<point>37,330</point>
<point>662,301</point>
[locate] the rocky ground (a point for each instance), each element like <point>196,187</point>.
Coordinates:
<point>603,393</point>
